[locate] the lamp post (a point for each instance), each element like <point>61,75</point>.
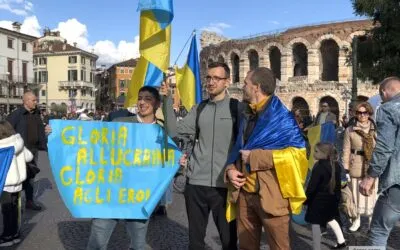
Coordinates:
<point>346,96</point>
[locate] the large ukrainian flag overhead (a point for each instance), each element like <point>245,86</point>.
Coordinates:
<point>155,40</point>
<point>188,78</point>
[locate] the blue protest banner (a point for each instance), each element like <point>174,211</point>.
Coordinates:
<point>111,169</point>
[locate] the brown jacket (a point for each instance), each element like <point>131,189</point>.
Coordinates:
<point>272,201</point>
<point>353,162</point>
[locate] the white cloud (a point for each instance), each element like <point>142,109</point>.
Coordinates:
<point>108,51</point>
<point>17,7</point>
<point>274,22</point>
<point>29,26</point>
<point>216,27</point>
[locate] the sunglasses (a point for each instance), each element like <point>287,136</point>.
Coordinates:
<point>365,113</point>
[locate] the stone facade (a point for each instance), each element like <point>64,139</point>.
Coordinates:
<point>310,63</point>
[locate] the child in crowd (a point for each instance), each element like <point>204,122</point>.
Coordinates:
<point>10,197</point>
<point>323,195</point>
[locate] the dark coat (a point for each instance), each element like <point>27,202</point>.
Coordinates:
<point>18,120</point>
<point>322,205</point>
<point>119,113</point>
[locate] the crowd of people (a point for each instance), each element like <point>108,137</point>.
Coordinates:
<point>245,155</point>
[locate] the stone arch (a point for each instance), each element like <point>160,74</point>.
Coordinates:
<point>318,42</point>
<point>275,60</point>
<point>254,59</point>
<point>329,58</point>
<point>362,98</point>
<point>357,33</point>
<point>221,58</point>
<point>298,40</point>
<point>300,59</point>
<point>333,104</point>
<point>235,68</point>
<point>301,104</point>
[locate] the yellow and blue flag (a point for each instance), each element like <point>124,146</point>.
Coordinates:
<point>154,45</point>
<point>320,133</point>
<point>6,156</point>
<point>277,130</point>
<point>188,78</point>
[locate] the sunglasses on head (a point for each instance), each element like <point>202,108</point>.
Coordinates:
<point>362,113</point>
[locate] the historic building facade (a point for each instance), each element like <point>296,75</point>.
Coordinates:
<point>65,73</point>
<point>16,67</point>
<point>310,63</point>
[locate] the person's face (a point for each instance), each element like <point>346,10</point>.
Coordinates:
<point>318,154</point>
<point>362,114</point>
<point>147,104</point>
<point>249,89</point>
<point>324,107</point>
<point>216,81</point>
<point>30,102</point>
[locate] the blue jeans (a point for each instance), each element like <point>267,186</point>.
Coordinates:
<point>102,229</point>
<point>385,216</point>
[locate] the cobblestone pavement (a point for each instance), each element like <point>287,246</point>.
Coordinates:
<point>54,228</point>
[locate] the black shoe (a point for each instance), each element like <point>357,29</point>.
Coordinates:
<point>17,238</point>
<point>6,241</point>
<point>32,206</point>
<point>340,246</point>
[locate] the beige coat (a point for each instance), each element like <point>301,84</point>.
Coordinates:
<point>353,162</point>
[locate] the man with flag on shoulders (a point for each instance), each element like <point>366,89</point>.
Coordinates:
<point>267,166</point>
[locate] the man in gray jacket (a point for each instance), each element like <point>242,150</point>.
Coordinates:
<point>385,164</point>
<point>206,189</point>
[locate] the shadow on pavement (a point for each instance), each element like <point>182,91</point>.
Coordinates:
<point>40,186</point>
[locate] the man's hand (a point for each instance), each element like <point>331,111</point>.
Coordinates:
<point>236,178</point>
<point>366,185</point>
<point>183,160</point>
<point>245,156</point>
<point>47,130</point>
<point>164,90</point>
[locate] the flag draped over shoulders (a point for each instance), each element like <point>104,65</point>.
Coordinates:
<point>154,45</point>
<point>188,78</point>
<point>277,130</point>
<point>320,133</point>
<point>6,156</point>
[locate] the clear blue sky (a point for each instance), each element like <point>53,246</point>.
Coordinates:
<point>118,20</point>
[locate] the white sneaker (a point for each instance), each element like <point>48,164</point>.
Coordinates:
<point>356,225</point>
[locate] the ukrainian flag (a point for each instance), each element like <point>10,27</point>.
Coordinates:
<point>155,40</point>
<point>6,156</point>
<point>320,133</point>
<point>188,78</point>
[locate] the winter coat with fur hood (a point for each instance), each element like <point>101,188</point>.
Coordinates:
<point>17,172</point>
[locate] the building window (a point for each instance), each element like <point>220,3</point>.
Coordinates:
<point>72,92</point>
<point>35,74</point>
<point>43,92</point>
<point>72,75</point>
<point>24,48</point>
<point>42,76</point>
<point>34,61</point>
<point>130,71</point>
<point>83,60</point>
<point>122,83</point>
<point>10,43</point>
<point>83,92</point>
<point>121,71</point>
<point>72,59</point>
<point>91,77</point>
<point>42,61</point>
<point>83,75</point>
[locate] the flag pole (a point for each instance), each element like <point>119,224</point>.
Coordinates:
<point>184,46</point>
<point>165,113</point>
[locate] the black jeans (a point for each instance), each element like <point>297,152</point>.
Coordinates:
<point>11,210</point>
<point>199,201</point>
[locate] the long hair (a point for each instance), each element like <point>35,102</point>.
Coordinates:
<point>6,130</point>
<point>330,154</point>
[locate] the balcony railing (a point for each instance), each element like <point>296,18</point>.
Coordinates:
<point>17,79</point>
<point>75,84</point>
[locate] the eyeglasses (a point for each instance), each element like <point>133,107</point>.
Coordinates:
<point>365,113</point>
<point>215,78</point>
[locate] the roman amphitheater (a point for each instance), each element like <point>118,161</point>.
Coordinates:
<point>310,63</point>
